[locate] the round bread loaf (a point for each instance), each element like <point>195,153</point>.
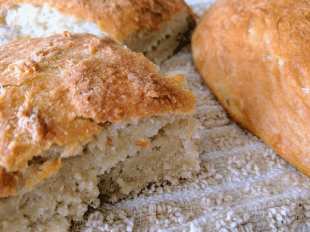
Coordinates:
<point>254,57</point>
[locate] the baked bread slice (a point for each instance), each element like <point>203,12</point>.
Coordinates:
<point>76,109</point>
<point>254,56</point>
<point>154,28</point>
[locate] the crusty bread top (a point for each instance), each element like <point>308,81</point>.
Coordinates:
<point>254,56</point>
<point>56,90</point>
<point>119,18</point>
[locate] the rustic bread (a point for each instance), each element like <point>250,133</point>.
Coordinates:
<point>78,109</point>
<point>254,57</point>
<point>154,28</point>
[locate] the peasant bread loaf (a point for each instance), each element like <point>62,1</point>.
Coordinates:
<point>254,56</point>
<point>76,109</point>
<point>155,28</point>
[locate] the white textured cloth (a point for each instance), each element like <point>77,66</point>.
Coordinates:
<point>243,185</point>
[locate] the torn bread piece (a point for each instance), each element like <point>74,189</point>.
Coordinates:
<point>76,109</point>
<point>154,28</point>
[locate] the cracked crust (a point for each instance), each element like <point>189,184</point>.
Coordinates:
<point>254,56</point>
<point>119,18</point>
<point>56,90</point>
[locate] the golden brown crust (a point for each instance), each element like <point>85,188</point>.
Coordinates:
<point>254,56</point>
<point>56,90</point>
<point>8,183</point>
<point>119,18</point>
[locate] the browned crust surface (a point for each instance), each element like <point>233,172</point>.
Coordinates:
<point>254,56</point>
<point>8,183</point>
<point>119,18</point>
<point>56,90</point>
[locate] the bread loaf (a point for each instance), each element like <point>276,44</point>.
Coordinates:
<point>254,57</point>
<point>154,28</point>
<point>76,109</point>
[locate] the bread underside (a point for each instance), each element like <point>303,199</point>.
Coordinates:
<point>119,161</point>
<point>25,20</point>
